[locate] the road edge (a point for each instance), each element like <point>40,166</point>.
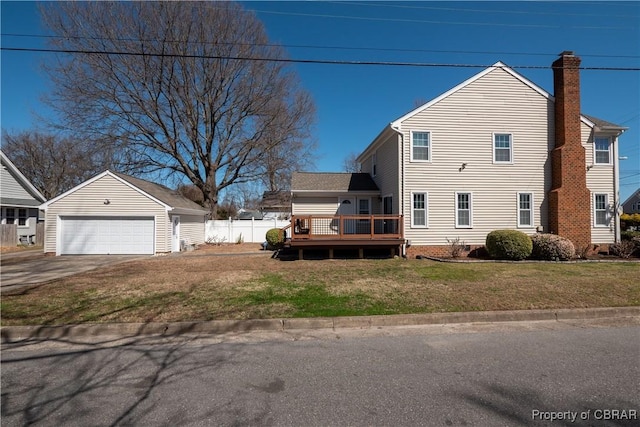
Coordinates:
<point>13,334</point>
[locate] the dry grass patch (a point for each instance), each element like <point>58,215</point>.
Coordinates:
<point>169,288</point>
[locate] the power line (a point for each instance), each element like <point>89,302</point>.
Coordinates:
<point>460,9</point>
<point>328,47</point>
<point>298,61</point>
<point>421,21</point>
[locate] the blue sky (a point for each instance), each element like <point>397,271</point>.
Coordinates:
<point>354,102</point>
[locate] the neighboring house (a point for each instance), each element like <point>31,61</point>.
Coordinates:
<point>494,152</point>
<point>114,213</point>
<point>19,201</point>
<point>632,204</point>
<point>276,204</point>
<point>249,214</point>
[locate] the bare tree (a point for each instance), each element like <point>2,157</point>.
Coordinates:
<point>191,88</point>
<point>350,163</point>
<point>55,164</point>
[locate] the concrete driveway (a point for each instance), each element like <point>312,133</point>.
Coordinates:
<point>22,270</point>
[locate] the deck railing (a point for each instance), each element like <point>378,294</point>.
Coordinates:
<point>345,227</point>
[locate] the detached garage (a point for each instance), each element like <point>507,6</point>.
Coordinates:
<point>114,213</point>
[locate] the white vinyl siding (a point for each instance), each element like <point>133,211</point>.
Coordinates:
<point>464,210</point>
<point>502,148</point>
<point>601,210</point>
<point>525,210</point>
<point>89,201</point>
<point>420,146</point>
<point>315,205</point>
<point>11,188</point>
<point>192,228</point>
<point>464,123</point>
<point>419,210</point>
<point>600,180</point>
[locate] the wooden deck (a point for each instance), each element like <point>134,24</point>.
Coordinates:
<point>344,232</point>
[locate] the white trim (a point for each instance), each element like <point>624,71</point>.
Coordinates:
<point>493,148</point>
<point>595,151</point>
<point>426,210</point>
<point>470,209</point>
<point>46,205</point>
<point>411,159</point>
<point>606,210</point>
<point>531,205</point>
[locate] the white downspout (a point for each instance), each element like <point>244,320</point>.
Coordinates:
<point>616,190</point>
<point>396,127</point>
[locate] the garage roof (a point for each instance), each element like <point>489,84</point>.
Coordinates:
<point>171,199</point>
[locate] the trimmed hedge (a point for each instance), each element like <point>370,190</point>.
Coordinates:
<point>509,244</point>
<point>275,238</point>
<point>551,247</point>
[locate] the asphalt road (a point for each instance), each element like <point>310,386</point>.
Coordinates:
<point>485,375</point>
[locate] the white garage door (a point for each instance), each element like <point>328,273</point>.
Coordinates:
<point>107,235</point>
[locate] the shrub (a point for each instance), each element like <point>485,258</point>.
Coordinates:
<point>552,247</point>
<point>629,235</point>
<point>508,244</point>
<point>275,238</point>
<point>623,248</point>
<point>629,220</point>
<point>456,247</point>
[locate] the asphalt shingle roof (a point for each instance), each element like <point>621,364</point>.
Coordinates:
<point>603,123</point>
<point>162,193</point>
<point>325,181</point>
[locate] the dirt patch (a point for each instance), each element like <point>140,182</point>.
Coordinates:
<point>227,248</point>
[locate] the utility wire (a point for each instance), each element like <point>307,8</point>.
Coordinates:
<point>298,61</point>
<point>460,9</point>
<point>325,47</point>
<point>421,21</point>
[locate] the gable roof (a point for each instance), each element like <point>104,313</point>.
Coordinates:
<point>603,124</point>
<point>22,180</point>
<point>497,66</point>
<point>396,124</point>
<point>332,182</point>
<point>164,194</point>
<point>169,199</point>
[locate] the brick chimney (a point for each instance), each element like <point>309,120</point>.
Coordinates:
<point>569,198</point>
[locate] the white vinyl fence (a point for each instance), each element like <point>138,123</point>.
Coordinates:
<point>251,231</point>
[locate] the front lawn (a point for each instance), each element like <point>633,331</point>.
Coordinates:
<point>166,289</point>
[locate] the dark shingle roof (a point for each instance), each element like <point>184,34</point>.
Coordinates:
<point>162,193</point>
<point>276,199</point>
<point>324,181</point>
<point>603,123</point>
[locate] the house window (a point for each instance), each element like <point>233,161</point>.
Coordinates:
<point>601,214</point>
<point>502,148</point>
<point>363,206</point>
<point>11,216</point>
<point>421,146</point>
<point>602,148</point>
<point>525,210</point>
<point>374,164</point>
<point>419,210</point>
<point>463,210</point>
<point>22,217</point>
